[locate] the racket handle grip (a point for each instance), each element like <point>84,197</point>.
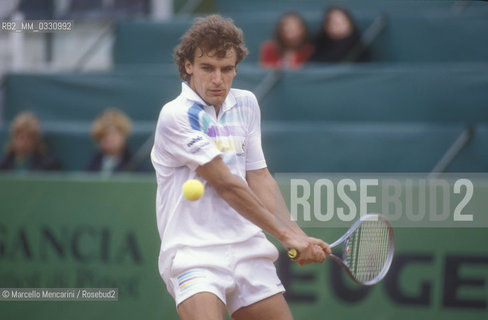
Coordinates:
<point>293,253</point>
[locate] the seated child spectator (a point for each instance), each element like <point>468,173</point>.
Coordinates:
<point>110,131</point>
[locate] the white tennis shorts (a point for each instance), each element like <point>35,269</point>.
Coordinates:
<point>238,274</point>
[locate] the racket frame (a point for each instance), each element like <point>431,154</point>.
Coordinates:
<point>346,236</point>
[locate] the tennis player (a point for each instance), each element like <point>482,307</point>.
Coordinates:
<point>214,255</point>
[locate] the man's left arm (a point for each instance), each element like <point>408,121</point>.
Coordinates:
<point>262,183</point>
<point>265,187</point>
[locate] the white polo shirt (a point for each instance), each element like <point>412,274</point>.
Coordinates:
<point>188,135</point>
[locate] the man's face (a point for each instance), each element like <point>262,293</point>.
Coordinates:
<point>292,32</point>
<point>338,26</point>
<point>112,142</point>
<point>211,76</point>
<point>24,143</point>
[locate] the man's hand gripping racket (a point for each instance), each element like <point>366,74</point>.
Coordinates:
<point>367,250</point>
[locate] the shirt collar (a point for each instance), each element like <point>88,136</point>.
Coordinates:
<point>191,95</point>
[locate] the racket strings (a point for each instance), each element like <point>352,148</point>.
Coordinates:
<point>368,249</point>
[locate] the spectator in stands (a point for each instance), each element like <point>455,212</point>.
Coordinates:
<point>110,131</point>
<point>339,39</point>
<point>290,47</point>
<point>25,150</point>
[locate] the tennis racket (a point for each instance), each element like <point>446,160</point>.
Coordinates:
<point>367,250</point>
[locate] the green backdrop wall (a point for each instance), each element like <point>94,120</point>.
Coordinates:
<point>416,31</point>
<point>373,92</point>
<point>81,231</point>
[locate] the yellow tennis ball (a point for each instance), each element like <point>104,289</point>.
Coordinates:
<point>193,189</point>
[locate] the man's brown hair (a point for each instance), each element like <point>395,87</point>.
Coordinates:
<point>213,34</point>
